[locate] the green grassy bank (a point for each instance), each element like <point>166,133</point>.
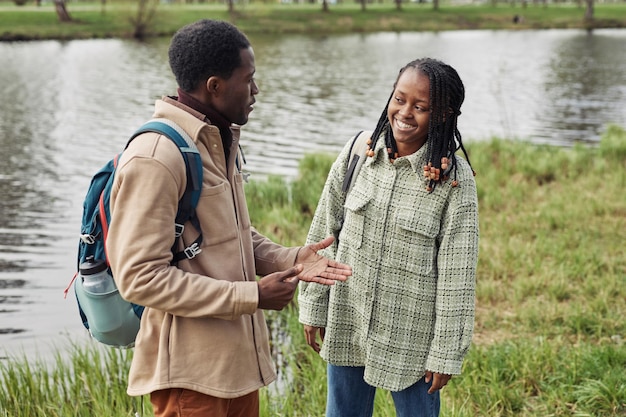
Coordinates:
<point>551,284</point>
<point>551,298</point>
<point>91,20</point>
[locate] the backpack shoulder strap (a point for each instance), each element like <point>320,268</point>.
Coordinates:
<point>356,159</point>
<point>193,163</point>
<point>187,147</point>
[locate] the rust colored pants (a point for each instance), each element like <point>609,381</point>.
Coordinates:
<point>178,402</point>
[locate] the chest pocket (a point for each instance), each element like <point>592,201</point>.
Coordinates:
<point>354,220</point>
<point>215,211</point>
<point>416,232</point>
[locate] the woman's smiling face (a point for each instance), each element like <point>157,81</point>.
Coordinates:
<point>409,111</point>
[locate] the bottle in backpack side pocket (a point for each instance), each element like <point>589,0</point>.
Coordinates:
<point>95,276</point>
<point>111,319</point>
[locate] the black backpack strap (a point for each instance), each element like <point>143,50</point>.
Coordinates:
<point>358,150</point>
<point>187,213</point>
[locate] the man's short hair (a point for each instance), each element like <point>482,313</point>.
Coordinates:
<point>203,49</point>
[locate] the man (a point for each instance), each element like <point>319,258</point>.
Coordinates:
<point>203,346</point>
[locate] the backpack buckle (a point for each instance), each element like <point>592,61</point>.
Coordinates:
<point>178,229</point>
<point>88,239</point>
<point>191,251</point>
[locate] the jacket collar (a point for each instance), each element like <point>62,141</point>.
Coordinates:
<point>212,116</point>
<point>417,160</point>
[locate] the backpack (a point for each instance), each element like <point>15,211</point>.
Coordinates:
<point>357,156</point>
<point>109,318</point>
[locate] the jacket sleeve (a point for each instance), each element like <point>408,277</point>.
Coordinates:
<point>456,278</point>
<point>271,257</point>
<point>313,298</point>
<point>144,202</point>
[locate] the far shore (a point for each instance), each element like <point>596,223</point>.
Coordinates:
<point>113,20</point>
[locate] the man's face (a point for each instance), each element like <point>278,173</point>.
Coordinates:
<point>236,94</point>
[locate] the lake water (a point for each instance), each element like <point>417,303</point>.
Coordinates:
<point>67,107</point>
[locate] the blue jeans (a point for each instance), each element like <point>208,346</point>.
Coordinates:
<point>350,396</point>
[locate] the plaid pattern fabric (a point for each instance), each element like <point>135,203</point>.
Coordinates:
<point>409,306</point>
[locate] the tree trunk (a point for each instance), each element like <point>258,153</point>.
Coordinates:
<point>141,21</point>
<point>362,5</point>
<point>325,6</point>
<point>435,4</point>
<point>62,13</point>
<point>589,12</point>
<point>398,4</point>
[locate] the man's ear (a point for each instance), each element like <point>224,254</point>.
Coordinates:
<point>213,85</point>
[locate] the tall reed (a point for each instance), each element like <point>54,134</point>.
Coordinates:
<point>90,381</point>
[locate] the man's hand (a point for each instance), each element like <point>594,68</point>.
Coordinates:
<point>439,380</point>
<point>310,332</point>
<point>318,268</point>
<point>277,290</point>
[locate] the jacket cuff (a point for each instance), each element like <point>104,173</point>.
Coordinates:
<point>443,365</point>
<point>248,294</point>
<point>277,260</point>
<point>313,312</point>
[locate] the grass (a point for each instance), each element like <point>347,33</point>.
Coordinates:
<point>551,290</point>
<point>551,298</point>
<point>91,20</point>
<point>91,383</point>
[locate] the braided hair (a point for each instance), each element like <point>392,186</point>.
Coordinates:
<point>444,139</point>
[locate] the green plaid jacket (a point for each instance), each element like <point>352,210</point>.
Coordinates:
<point>409,306</point>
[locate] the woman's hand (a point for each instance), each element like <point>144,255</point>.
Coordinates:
<point>439,380</point>
<point>310,332</point>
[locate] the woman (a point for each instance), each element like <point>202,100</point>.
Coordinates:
<point>409,228</point>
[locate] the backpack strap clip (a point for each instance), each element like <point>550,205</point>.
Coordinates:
<point>178,229</point>
<point>191,251</point>
<point>88,239</point>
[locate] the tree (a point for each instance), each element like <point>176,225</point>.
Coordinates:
<point>145,12</point>
<point>589,11</point>
<point>62,13</point>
